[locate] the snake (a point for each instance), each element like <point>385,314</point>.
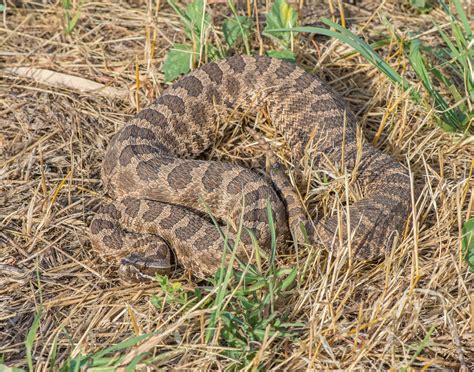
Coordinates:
<point>169,205</point>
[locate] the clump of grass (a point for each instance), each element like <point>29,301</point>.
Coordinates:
<point>447,73</point>
<point>245,312</point>
<point>453,99</point>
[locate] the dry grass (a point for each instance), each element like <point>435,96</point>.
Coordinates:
<point>356,315</point>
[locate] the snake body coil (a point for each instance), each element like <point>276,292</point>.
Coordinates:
<point>160,189</point>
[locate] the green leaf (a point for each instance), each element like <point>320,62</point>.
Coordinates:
<point>178,61</point>
<point>421,5</point>
<point>468,243</point>
<point>213,53</point>
<point>132,365</point>
<point>236,28</point>
<point>286,55</point>
<point>156,301</point>
<point>2,7</point>
<point>281,15</point>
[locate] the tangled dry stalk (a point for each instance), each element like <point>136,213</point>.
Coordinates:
<point>52,140</point>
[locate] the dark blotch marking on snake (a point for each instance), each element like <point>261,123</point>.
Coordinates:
<point>192,85</point>
<point>114,240</point>
<point>181,176</point>
<point>130,152</point>
<point>174,103</point>
<point>149,170</point>
<point>112,211</point>
<point>212,180</point>
<point>213,71</point>
<point>232,86</point>
<point>135,131</point>
<point>155,209</point>
<point>188,231</point>
<point>263,64</point>
<point>285,70</point>
<point>152,116</point>
<point>132,206</point>
<point>99,224</point>
<point>237,64</point>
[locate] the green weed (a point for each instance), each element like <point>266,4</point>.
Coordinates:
<point>281,15</point>
<point>174,294</point>
<point>70,18</point>
<point>183,57</point>
<point>237,28</point>
<point>246,311</point>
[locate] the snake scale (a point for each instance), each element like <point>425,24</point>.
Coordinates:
<point>162,191</point>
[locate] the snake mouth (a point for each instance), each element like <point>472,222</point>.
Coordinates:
<point>138,268</point>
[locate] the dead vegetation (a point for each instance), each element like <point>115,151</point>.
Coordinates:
<point>415,309</point>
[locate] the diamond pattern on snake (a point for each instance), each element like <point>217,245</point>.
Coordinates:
<point>161,190</point>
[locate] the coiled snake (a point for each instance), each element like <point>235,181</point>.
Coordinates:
<point>161,191</point>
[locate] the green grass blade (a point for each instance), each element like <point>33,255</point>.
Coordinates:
<point>361,47</point>
<point>289,280</point>
<point>224,279</point>
<point>462,16</point>
<point>53,352</point>
<point>425,342</point>
<point>30,338</point>
<point>455,54</point>
<point>273,232</point>
<point>123,345</point>
<point>447,114</point>
<point>72,23</point>
<point>133,364</point>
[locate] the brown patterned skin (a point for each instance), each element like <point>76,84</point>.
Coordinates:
<point>162,192</point>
